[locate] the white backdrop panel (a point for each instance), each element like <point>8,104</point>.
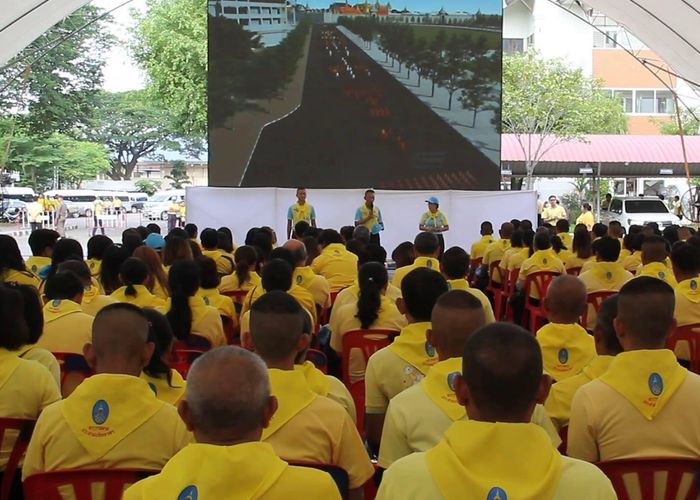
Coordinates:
<point>242,208</point>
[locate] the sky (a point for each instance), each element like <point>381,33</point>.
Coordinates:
<point>486,6</point>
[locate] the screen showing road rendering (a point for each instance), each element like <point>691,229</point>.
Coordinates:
<point>347,95</point>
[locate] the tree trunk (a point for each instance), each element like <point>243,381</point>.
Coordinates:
<point>419,77</point>
<point>530,170</point>
<point>432,92</point>
<point>474,119</point>
<point>449,102</point>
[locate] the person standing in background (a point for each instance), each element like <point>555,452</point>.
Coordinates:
<point>371,217</point>
<point>61,214</point>
<point>586,216</point>
<point>677,207</point>
<point>555,211</point>
<point>35,214</point>
<point>300,211</point>
<point>97,209</point>
<point>173,213</point>
<point>434,221</point>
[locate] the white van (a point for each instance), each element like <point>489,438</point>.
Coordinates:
<point>25,194</point>
<point>157,205</point>
<point>638,210</point>
<point>80,201</point>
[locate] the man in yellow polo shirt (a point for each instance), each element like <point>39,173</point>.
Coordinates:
<point>553,212</point>
<point>543,259</point>
<point>407,360</point>
<point>427,249</point>
<point>494,252</point>
<point>41,242</point>
<point>300,211</point>
<point>685,257</point>
<point>654,256</point>
<point>418,417</point>
<point>210,242</point>
<point>607,346</point>
<point>66,327</point>
<point>227,405</point>
<point>479,247</point>
<point>112,419</point>
<point>306,426</point>
<point>566,346</point>
<point>335,263</point>
<point>498,453</point>
<point>370,216</point>
<point>305,277</point>
<point>606,273</point>
<point>642,405</point>
<point>454,266</point>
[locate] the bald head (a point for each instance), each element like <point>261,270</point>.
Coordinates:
<point>456,315</point>
<point>227,397</point>
<point>566,299</point>
<point>298,250</point>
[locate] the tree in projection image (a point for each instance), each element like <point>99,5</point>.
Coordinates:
<point>348,95</point>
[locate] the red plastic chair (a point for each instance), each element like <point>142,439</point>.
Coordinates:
<point>74,369</point>
<point>326,316</point>
<point>47,485</point>
<point>691,335</point>
<point>24,427</point>
<point>594,300</point>
<point>184,353</point>
<point>368,341</point>
<point>639,478</point>
<point>338,474</point>
<point>507,292</point>
<point>536,282</point>
<point>494,288</point>
<point>318,358</point>
<point>237,296</point>
<point>574,271</point>
<point>357,391</point>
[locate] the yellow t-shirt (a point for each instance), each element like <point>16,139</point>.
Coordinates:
<point>170,393</point>
<point>389,372</point>
<point>558,403</point>
<point>246,470</point>
<point>495,252</point>
<point>632,261</point>
<point>21,277</point>
<point>328,386</point>
<point>659,270</point>
<point>95,265</point>
<point>516,259</point>
<point>604,425</point>
<point>337,265</point>
<point>430,219</point>
<point>566,349</point>
<point>574,260</point>
<point>463,284</point>
<point>375,223</point>
<point>44,358</point>
<point>317,285</point>
<point>540,260</point>
<point>143,440</point>
<point>224,263</point>
<point>344,319</point>
<point>143,297</point>
<point>36,263</point>
<point>297,213</point>
<point>410,477</point>
<point>206,321</point>
<point>26,388</point>
<point>553,214</point>
<point>400,274</point>
<point>349,295</point>
<point>223,304</point>
<point>479,247</point>
<point>566,239</point>
<point>687,302</point>
<point>415,422</point>
<point>230,283</point>
<point>587,219</point>
<point>66,327</point>
<point>302,295</point>
<point>314,429</point>
<point>605,276</point>
<point>94,301</point>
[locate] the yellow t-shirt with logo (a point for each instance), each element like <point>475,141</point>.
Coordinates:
<point>95,265</point>
<point>36,263</point>
<point>302,295</point>
<point>206,321</point>
<point>66,327</point>
<point>633,261</point>
<point>515,260</point>
<point>143,297</point>
<point>94,301</point>
<point>317,285</point>
<point>688,302</point>
<point>170,393</point>
<point>605,276</point>
<point>297,213</point>
<point>375,223</point>
<point>659,270</point>
<point>494,252</point>
<point>21,277</point>
<point>337,265</point>
<point>566,349</point>
<point>400,274</point>
<point>541,260</point>
<point>479,247</point>
<point>574,260</point>
<point>222,303</point>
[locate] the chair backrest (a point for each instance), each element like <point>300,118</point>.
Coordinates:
<point>645,478</point>
<point>195,342</point>
<point>368,341</point>
<point>511,281</point>
<point>339,475</point>
<point>24,428</point>
<point>689,334</point>
<point>494,270</point>
<point>318,358</point>
<point>48,485</point>
<point>594,300</point>
<point>181,360</point>
<point>574,271</point>
<point>236,295</point>
<point>74,369</point>
<point>537,283</point>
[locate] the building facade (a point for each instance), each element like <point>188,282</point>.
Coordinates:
<point>271,19</point>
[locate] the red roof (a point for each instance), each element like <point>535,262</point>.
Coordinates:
<point>659,149</point>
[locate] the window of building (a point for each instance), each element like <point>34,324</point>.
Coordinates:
<point>531,41</point>
<point>664,102</point>
<point>645,102</point>
<point>244,22</point>
<point>243,10</point>
<point>230,10</point>
<point>626,97</point>
<point>513,45</point>
<point>611,39</point>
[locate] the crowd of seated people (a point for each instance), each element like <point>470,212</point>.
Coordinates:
<point>226,371</point>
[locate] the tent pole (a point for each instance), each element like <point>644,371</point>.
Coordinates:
<point>597,193</point>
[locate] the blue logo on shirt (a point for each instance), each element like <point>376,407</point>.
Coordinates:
<point>693,285</point>
<point>656,384</point>
<point>452,381</point>
<point>56,303</point>
<point>662,274</point>
<point>100,412</point>
<point>496,493</point>
<point>608,275</point>
<point>429,349</point>
<point>189,493</point>
<point>563,356</point>
<point>430,264</point>
<point>299,279</point>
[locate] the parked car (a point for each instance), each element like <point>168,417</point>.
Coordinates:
<point>638,210</point>
<point>10,210</point>
<point>157,205</point>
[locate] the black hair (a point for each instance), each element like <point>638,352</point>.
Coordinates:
<point>98,245</point>
<point>40,239</point>
<point>670,234</point>
<point>329,236</point>
<point>63,286</point>
<point>183,280</point>
<point>208,275</point>
<point>10,255</point>
<point>502,366</point>
<point>224,241</point>
<point>229,233</point>
<point>587,206</point>
<point>420,290</point>
<point>277,275</point>
<point>191,230</point>
<point>262,241</point>
<point>486,228</point>
<point>131,240</point>
<point>65,249</point>
<point>300,228</point>
<point>516,224</point>
<point>194,248</point>
<point>177,232</point>
<point>285,254</point>
<point>599,230</point>
<point>357,247</point>
<point>581,244</point>
<point>346,232</point>
<point>557,244</point>
<point>32,312</point>
<point>244,257</point>
<point>604,322</point>
<point>403,254</point>
<point>143,232</point>
<point>455,263</point>
<point>372,278</point>
<point>685,257</point>
<point>541,241</point>
<point>516,239</point>
<point>646,307</point>
<point>607,249</point>
<point>160,333</point>
<point>15,333</point>
<point>426,243</point>
<point>153,228</point>
<point>373,253</point>
<point>276,324</point>
<point>562,226</point>
<point>77,267</point>
<point>112,262</point>
<point>133,272</point>
<point>209,238</point>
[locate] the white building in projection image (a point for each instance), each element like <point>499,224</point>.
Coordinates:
<point>271,19</point>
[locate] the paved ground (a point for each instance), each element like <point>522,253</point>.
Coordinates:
<point>364,131</point>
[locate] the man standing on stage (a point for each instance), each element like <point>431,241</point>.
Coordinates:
<point>371,217</point>
<point>434,221</point>
<point>300,211</point>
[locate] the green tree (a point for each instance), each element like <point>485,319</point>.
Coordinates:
<point>171,45</point>
<point>545,103</point>
<point>178,175</point>
<point>131,127</point>
<point>148,186</point>
<point>690,120</point>
<point>53,83</point>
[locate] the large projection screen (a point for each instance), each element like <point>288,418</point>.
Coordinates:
<point>343,95</point>
<point>242,208</point>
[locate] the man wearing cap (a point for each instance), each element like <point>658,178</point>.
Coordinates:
<point>370,216</point>
<point>434,221</point>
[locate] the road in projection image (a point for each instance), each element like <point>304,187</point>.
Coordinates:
<point>350,96</point>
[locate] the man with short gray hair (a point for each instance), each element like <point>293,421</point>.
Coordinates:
<point>305,277</point>
<point>227,405</point>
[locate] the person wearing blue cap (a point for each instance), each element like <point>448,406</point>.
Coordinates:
<point>155,241</point>
<point>434,221</point>
<point>370,216</point>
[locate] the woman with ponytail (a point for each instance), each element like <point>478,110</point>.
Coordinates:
<point>245,276</point>
<point>134,274</point>
<point>157,281</point>
<point>187,312</point>
<point>167,383</point>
